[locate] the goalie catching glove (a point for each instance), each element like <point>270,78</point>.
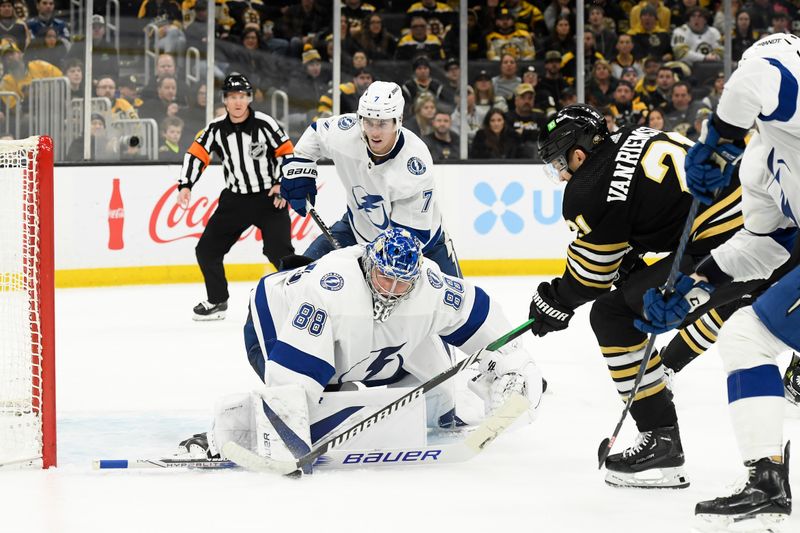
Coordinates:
<point>547,313</point>
<point>299,183</point>
<point>506,371</point>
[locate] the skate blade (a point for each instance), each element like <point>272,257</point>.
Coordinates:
<point>654,478</point>
<point>208,318</point>
<point>761,523</point>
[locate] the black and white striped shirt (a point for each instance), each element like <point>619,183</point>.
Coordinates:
<point>251,153</point>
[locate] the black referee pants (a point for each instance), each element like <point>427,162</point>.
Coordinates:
<point>235,213</point>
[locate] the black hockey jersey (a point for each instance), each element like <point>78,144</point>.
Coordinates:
<point>631,194</point>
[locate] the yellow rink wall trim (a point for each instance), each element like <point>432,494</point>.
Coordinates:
<point>150,275</point>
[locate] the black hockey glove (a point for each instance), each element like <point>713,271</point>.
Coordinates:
<point>290,262</point>
<point>548,314</point>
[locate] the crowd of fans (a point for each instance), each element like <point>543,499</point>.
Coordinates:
<point>655,62</point>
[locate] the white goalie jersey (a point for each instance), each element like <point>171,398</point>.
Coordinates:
<point>398,192</point>
<point>315,325</point>
<point>763,91</point>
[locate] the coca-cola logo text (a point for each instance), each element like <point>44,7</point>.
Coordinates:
<point>170,222</point>
<point>116,213</point>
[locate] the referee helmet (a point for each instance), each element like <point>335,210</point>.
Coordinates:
<point>237,83</point>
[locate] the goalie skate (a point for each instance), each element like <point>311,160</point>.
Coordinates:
<point>655,461</point>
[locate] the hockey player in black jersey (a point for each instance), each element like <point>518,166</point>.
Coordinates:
<point>625,196</point>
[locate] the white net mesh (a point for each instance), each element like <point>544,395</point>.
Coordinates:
<point>20,325</point>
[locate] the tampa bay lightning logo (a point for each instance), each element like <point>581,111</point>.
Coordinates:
<point>416,166</point>
<point>775,166</point>
<point>372,205</point>
<point>434,279</point>
<point>346,122</point>
<point>332,281</point>
<point>383,357</point>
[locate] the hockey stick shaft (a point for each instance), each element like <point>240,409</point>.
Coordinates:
<point>669,286</point>
<point>321,225</point>
<point>321,449</point>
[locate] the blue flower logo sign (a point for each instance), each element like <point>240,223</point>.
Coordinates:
<point>498,208</point>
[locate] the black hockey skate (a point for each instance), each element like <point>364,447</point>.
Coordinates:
<point>208,311</point>
<point>791,380</point>
<point>655,461</point>
<point>764,502</point>
<point>196,447</point>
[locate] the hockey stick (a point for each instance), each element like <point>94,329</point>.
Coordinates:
<point>322,226</point>
<point>608,443</point>
<point>252,461</point>
<point>461,450</point>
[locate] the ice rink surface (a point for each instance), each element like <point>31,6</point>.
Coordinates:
<point>136,375</point>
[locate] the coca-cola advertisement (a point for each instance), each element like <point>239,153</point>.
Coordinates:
<point>116,219</point>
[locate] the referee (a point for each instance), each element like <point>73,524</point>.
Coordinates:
<point>251,146</point>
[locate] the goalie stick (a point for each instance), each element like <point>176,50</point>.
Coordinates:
<point>464,449</point>
<point>255,462</point>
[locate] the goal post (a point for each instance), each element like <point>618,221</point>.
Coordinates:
<point>27,325</point>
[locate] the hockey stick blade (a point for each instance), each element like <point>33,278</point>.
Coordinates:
<point>463,450</point>
<point>606,444</point>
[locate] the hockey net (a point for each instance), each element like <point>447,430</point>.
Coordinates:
<point>27,365</point>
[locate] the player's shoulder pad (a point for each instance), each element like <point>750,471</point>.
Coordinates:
<point>415,157</point>
<point>337,275</point>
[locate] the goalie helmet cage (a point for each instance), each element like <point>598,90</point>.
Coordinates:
<point>27,328</point>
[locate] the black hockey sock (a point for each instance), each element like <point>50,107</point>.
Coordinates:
<point>654,411</point>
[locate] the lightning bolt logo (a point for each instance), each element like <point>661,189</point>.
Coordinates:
<point>368,203</point>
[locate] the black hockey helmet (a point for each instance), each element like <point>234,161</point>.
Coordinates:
<point>236,83</point>
<point>575,126</point>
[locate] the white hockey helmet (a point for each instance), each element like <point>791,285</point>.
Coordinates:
<point>383,100</point>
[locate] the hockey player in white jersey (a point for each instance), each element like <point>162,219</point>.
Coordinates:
<point>763,91</point>
<point>387,172</point>
<point>372,316</point>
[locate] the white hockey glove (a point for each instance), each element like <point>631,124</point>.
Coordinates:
<point>508,370</point>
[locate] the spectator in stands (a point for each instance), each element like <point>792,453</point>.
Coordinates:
<point>624,57</point>
<point>73,70</point>
<point>103,148</point>
<point>601,85</point>
<point>568,97</point>
<point>350,93</point>
<point>494,140</point>
<point>646,85</point>
<point>307,86</point>
<point>450,87</point>
<point>378,43</point>
<point>679,11</point>
<point>697,125</point>
<point>105,59</point>
<point>11,28</point>
<point>679,115</point>
<point>663,15</point>
<point>507,80</point>
<point>662,95</point>
<point>719,15</point>
<point>439,30</point>
<point>605,38</point>
<point>630,75</point>
<point>356,9</point>
<point>421,82</point>
<point>711,100</point>
<point>166,66</point>
<point>129,91</point>
<point>473,123</point>
<point>611,124</point>
<point>47,47</point>
<point>19,73</point>
<point>358,61</point>
<point>508,39</point>
<point>760,11</point>
<point>44,19</point>
<point>650,40</point>
<point>443,142</point>
<point>476,43</point>
<point>696,41</point>
<point>743,35</point>
<point>21,10</point>
<point>302,23</point>
<point>655,119</point>
<point>164,105</point>
<point>526,121</point>
<point>590,57</point>
<point>171,131</point>
<point>542,98</point>
<point>421,121</point>
<point>553,82</point>
<point>556,10</point>
<point>562,38</point>
<point>527,16</point>
<point>780,23</point>
<point>121,109</point>
<point>429,9</point>
<point>167,18</point>
<point>485,97</point>
<point>627,110</point>
<point>419,41</point>
<point>615,17</point>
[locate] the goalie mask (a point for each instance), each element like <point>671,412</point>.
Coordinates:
<point>392,265</point>
<point>380,109</point>
<point>575,126</point>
